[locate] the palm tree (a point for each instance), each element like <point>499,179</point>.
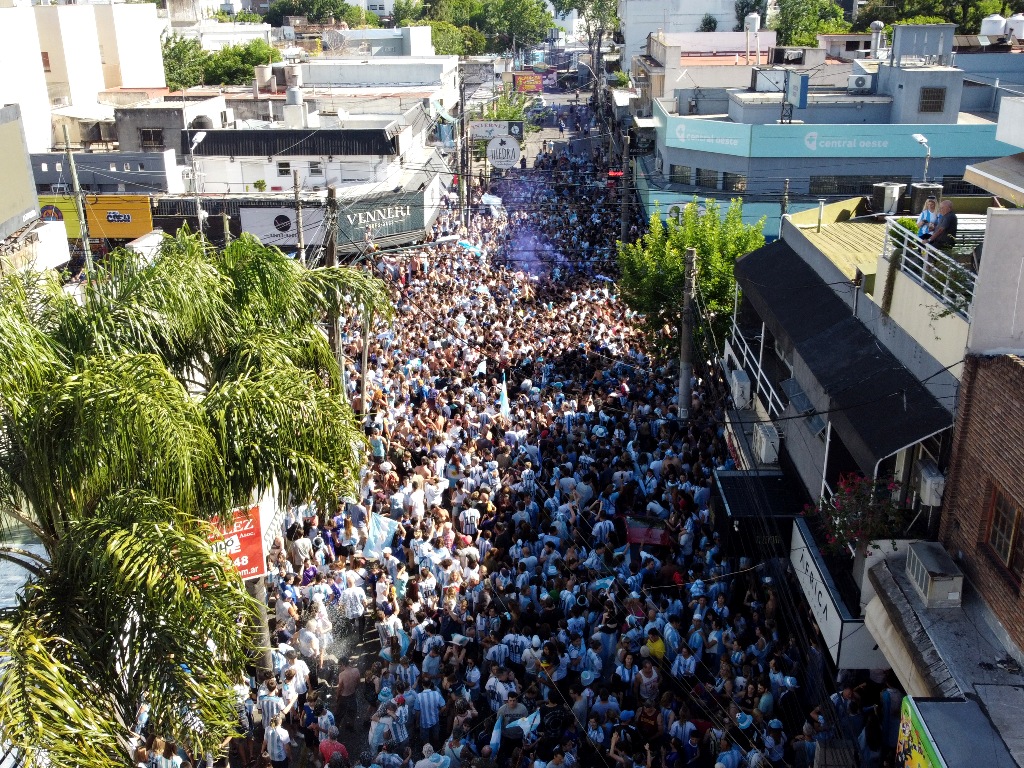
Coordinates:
<point>159,396</point>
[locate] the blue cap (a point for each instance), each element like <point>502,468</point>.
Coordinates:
<point>626,716</point>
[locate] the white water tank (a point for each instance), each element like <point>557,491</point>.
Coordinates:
<point>993,26</point>
<point>752,22</point>
<point>293,96</point>
<point>264,74</point>
<point>293,75</point>
<point>1015,26</point>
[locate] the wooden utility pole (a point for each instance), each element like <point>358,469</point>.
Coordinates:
<point>626,185</point>
<point>784,205</point>
<point>686,338</point>
<point>76,188</point>
<point>463,148</point>
<point>331,260</point>
<point>226,220</point>
<point>298,218</point>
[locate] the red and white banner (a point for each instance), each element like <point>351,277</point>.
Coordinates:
<point>241,539</point>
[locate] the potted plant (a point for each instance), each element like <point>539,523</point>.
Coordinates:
<point>860,513</point>
<point>261,185</point>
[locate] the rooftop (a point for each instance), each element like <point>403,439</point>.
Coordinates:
<point>850,245</point>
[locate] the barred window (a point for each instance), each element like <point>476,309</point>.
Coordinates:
<point>680,174</point>
<point>707,177</point>
<point>932,100</point>
<point>734,182</point>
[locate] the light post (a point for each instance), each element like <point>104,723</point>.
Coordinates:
<point>923,141</point>
<point>196,141</point>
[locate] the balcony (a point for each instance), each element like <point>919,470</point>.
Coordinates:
<point>948,276</point>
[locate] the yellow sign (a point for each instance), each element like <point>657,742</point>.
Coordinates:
<point>60,208</point>
<point>119,217</point>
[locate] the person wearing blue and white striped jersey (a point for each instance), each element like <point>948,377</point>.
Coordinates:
<point>277,743</point>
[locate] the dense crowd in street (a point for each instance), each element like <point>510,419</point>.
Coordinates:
<point>480,602</point>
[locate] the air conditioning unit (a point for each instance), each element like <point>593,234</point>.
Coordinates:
<point>739,382</point>
<point>766,443</point>
<point>931,483</point>
<point>936,577</point>
<point>860,83</point>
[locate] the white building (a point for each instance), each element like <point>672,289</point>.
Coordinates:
<point>68,37</point>
<point>129,45</point>
<point>640,18</point>
<point>20,43</point>
<point>214,35</point>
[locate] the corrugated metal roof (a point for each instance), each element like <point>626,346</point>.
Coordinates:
<point>286,142</point>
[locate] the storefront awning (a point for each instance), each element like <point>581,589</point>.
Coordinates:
<point>1003,177</point>
<point>875,403</point>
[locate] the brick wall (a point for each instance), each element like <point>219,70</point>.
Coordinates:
<point>988,450</point>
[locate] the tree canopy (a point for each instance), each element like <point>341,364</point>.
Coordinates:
<point>653,268</point>
<point>744,7</point>
<point>233,64</point>
<point>165,394</point>
<point>321,12</point>
<point>186,64</point>
<point>799,22</point>
<point>183,62</point>
<point>525,21</point>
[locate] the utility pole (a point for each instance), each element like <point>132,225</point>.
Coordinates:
<point>463,127</point>
<point>365,362</point>
<point>76,188</point>
<point>784,205</point>
<point>227,227</point>
<point>686,338</point>
<point>331,260</point>
<point>624,229</point>
<point>298,218</point>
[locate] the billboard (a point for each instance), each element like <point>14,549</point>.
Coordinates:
<point>61,208</point>
<point>915,748</point>
<point>277,226</point>
<point>481,129</point>
<point>708,136</point>
<point>18,193</point>
<point>361,222</point>
<point>241,539</point>
<point>528,82</point>
<point>118,217</point>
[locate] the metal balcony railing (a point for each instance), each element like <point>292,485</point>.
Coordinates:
<point>939,273</point>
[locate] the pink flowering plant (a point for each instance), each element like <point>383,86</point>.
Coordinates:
<point>860,513</point>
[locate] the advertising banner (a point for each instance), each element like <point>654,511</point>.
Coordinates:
<point>241,539</point>
<point>480,129</point>
<point>915,748</point>
<point>119,217</point>
<point>278,227</point>
<point>61,208</point>
<point>528,82</point>
<point>363,221</point>
<point>708,135</point>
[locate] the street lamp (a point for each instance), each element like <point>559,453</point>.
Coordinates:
<point>196,141</point>
<point>923,141</point>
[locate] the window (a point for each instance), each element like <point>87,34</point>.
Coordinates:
<point>853,45</point>
<point>734,182</point>
<point>284,169</point>
<point>680,174</point>
<point>46,61</point>
<point>112,167</point>
<point>316,168</point>
<point>1005,538</point>
<point>151,138</point>
<point>849,185</point>
<point>127,167</point>
<point>955,185</point>
<point>142,167</point>
<point>707,178</point>
<point>59,167</point>
<point>44,167</point>
<point>932,100</point>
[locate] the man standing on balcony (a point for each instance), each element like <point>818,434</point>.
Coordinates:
<point>944,233</point>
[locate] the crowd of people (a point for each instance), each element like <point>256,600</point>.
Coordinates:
<point>516,427</point>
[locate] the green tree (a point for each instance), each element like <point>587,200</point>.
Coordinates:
<point>598,17</point>
<point>356,17</point>
<point>446,38</point>
<point>621,79</point>
<point>406,12</point>
<point>474,41</point>
<point>799,22</point>
<point>458,12</point>
<point>317,11</point>
<point>653,267</point>
<point>233,64</point>
<point>744,7</point>
<point>166,393</point>
<point>709,23</point>
<point>524,21</point>
<point>183,62</point>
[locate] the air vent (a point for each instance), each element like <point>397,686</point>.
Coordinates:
<point>936,577</point>
<point>739,382</point>
<point>860,83</point>
<point>766,443</point>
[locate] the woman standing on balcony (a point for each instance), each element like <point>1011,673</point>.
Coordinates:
<point>929,216</point>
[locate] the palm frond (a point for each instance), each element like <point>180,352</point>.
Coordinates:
<point>284,428</point>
